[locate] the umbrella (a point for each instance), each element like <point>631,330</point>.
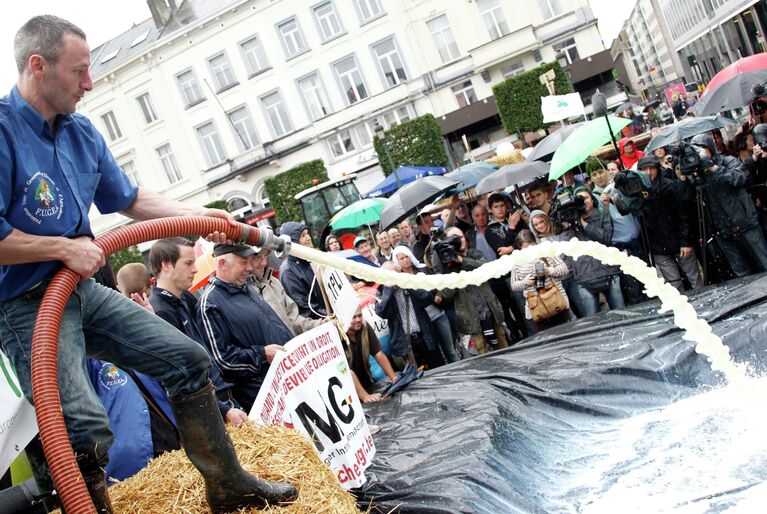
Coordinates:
<point>746,64</point>
<point>518,175</point>
<point>623,107</point>
<point>652,103</point>
<point>685,129</point>
<point>467,176</point>
<point>735,92</point>
<point>412,196</point>
<point>582,142</point>
<point>361,212</point>
<point>549,144</point>
<point>406,174</point>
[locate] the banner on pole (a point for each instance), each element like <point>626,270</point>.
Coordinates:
<point>342,296</point>
<point>561,107</point>
<point>17,416</point>
<point>309,388</point>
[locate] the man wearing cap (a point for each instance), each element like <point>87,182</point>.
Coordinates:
<point>297,275</point>
<point>271,290</point>
<point>241,331</point>
<point>362,245</point>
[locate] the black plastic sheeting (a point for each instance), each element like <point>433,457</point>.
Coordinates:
<point>542,426</point>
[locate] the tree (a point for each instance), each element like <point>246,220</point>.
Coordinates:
<point>218,204</point>
<point>519,98</point>
<point>417,142</point>
<point>282,188</point>
<point>122,257</point>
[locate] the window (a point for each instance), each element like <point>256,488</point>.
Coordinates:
<point>368,10</point>
<point>255,57</point>
<point>389,62</point>
<point>221,70</point>
<point>350,79</point>
<point>512,69</point>
<point>567,51</point>
<point>493,15</point>
<point>341,143</point>
<point>277,114</point>
<point>211,144</point>
<point>113,129</point>
<point>190,88</point>
<point>314,97</point>
<point>129,168</point>
<point>147,110</point>
<point>364,133</point>
<point>244,128</point>
<point>443,38</point>
<point>464,94</point>
<point>550,8</point>
<point>328,22</point>
<point>292,41</point>
<point>169,163</point>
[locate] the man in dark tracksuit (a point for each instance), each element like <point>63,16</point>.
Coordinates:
<point>242,333</point>
<point>172,261</point>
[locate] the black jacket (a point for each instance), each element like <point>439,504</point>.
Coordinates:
<point>296,279</point>
<point>666,216</point>
<point>730,206</point>
<point>587,270</point>
<point>388,308</point>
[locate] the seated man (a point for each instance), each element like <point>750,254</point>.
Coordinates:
<point>133,278</point>
<point>241,331</point>
<point>362,344</point>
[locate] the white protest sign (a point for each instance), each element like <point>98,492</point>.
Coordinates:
<point>561,107</point>
<point>17,416</point>
<point>309,388</point>
<point>342,296</point>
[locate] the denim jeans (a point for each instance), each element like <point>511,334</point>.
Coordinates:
<point>589,300</point>
<point>101,323</point>
<point>445,335</point>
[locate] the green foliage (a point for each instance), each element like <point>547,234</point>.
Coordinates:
<point>417,142</point>
<point>519,98</point>
<point>123,257</point>
<point>592,163</point>
<point>282,187</point>
<point>218,204</point>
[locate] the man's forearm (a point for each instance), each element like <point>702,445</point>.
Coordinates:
<point>150,205</point>
<point>20,248</point>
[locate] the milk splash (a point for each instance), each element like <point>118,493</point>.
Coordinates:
<point>696,330</point>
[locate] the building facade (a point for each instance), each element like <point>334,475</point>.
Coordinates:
<point>209,98</point>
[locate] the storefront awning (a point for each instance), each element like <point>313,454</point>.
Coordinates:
<point>468,115</point>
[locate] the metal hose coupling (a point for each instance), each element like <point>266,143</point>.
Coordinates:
<point>267,240</point>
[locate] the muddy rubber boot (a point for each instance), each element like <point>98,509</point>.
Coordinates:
<point>204,438</point>
<point>96,482</point>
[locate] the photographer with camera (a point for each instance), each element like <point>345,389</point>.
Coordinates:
<point>733,215</point>
<point>756,164</point>
<point>479,314</point>
<point>580,217</point>
<point>666,219</point>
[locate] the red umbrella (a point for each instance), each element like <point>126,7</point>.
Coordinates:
<point>751,63</point>
<point>735,86</point>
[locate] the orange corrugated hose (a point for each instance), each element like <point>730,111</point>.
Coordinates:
<point>70,485</point>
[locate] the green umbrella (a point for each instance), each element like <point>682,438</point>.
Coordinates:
<point>582,142</point>
<point>362,212</point>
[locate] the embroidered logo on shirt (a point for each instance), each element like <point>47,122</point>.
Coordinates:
<point>110,376</point>
<point>42,198</point>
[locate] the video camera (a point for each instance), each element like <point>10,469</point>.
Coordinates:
<point>540,277</point>
<point>446,247</point>
<point>692,163</point>
<point>567,206</point>
<point>634,189</point>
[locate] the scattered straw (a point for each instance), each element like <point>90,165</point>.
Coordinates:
<point>513,157</point>
<point>171,484</point>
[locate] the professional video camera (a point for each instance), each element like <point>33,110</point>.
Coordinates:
<point>634,189</point>
<point>445,246</point>
<point>692,161</point>
<point>568,207</point>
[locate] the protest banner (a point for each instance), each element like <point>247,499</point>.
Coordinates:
<point>561,107</point>
<point>342,296</point>
<point>309,388</point>
<point>17,416</point>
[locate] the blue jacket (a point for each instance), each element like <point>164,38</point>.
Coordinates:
<point>237,324</point>
<point>129,416</point>
<point>296,279</point>
<point>388,308</point>
<point>179,312</point>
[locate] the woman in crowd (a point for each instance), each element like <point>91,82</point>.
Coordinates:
<point>523,278</point>
<point>332,244</point>
<point>541,226</point>
<point>409,264</point>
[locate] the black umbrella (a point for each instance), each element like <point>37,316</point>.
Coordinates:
<point>412,196</point>
<point>549,144</point>
<point>685,129</point>
<point>736,92</point>
<point>519,175</point>
<point>652,104</point>
<point>623,107</point>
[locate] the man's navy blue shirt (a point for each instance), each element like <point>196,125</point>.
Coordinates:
<point>48,182</point>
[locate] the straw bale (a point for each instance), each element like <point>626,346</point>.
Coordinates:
<point>171,484</point>
<point>513,157</point>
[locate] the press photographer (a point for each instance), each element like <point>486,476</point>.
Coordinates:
<point>446,249</point>
<point>732,212</point>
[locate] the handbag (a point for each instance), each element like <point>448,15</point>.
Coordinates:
<point>546,303</point>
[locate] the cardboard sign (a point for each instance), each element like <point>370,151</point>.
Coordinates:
<point>342,296</point>
<point>17,416</point>
<point>309,388</point>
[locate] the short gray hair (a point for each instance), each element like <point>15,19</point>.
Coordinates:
<point>42,35</point>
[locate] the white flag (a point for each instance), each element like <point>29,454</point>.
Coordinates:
<point>561,107</point>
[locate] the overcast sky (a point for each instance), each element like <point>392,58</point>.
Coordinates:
<point>103,19</point>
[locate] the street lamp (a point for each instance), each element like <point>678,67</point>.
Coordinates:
<point>379,132</point>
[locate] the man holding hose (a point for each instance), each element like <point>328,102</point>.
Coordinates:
<point>53,166</point>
